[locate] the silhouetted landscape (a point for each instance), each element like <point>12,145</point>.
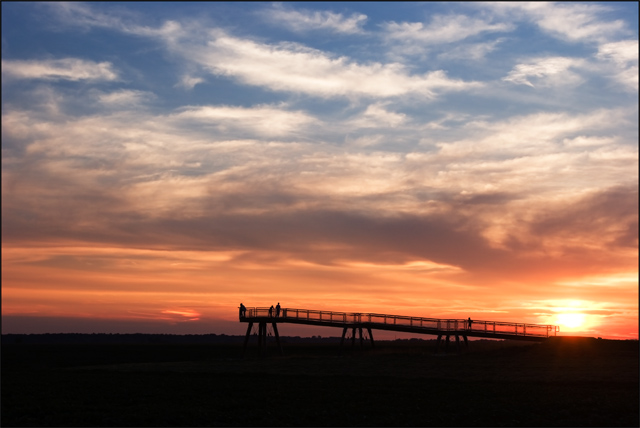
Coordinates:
<point>202,380</point>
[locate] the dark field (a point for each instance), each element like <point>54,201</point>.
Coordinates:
<point>564,382</point>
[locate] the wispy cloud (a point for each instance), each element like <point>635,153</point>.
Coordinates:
<point>472,51</point>
<point>59,69</point>
<point>125,98</point>
<point>376,116</point>
<point>172,173</point>
<point>442,29</point>
<point>288,67</point>
<point>623,56</point>
<point>302,20</point>
<point>569,21</point>
<point>451,35</point>
<point>550,71</point>
<point>295,68</point>
<point>264,120</point>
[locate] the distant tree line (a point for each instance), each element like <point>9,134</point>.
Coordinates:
<point>143,338</point>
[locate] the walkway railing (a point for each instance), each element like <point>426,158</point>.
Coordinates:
<point>414,323</point>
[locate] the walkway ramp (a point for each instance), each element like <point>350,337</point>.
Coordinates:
<point>356,322</point>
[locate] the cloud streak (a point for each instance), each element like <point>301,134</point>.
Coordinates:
<point>442,29</point>
<point>573,22</point>
<point>307,20</point>
<point>296,68</point>
<point>73,69</point>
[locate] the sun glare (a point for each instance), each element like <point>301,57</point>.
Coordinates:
<point>570,320</point>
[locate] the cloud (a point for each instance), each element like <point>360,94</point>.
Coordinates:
<point>446,33</point>
<point>73,69</point>
<point>189,82</point>
<point>295,68</point>
<point>82,15</point>
<point>623,56</point>
<point>86,17</point>
<point>307,20</point>
<point>473,51</point>
<point>624,52</point>
<point>569,21</point>
<point>376,116</point>
<point>318,203</point>
<point>550,71</point>
<point>264,120</point>
<point>604,218</point>
<point>533,134</point>
<point>285,67</point>
<point>125,98</point>
<point>442,29</point>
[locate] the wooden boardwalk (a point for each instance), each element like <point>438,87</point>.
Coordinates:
<point>364,323</point>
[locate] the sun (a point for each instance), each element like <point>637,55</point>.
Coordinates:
<point>570,319</point>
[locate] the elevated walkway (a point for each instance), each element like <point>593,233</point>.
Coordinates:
<point>359,322</point>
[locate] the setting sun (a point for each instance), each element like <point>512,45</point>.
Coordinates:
<point>570,320</point>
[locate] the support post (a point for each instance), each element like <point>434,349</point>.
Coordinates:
<point>438,342</point>
<point>275,333</point>
<point>263,338</point>
<point>344,333</point>
<point>371,337</point>
<point>361,339</point>
<point>260,337</point>
<point>246,339</point>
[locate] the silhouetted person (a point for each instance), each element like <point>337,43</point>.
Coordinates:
<point>469,321</point>
<point>243,311</point>
<point>271,311</point>
<point>278,310</point>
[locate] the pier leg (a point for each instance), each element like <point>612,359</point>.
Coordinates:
<point>246,339</point>
<point>361,339</point>
<point>275,333</point>
<point>466,342</point>
<point>371,337</point>
<point>263,338</point>
<point>260,338</point>
<point>353,336</point>
<point>446,347</point>
<point>344,333</point>
<point>457,344</point>
<point>438,342</point>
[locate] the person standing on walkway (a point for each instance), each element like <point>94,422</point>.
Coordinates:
<point>278,310</point>
<point>271,311</point>
<point>243,311</point>
<point>469,322</point>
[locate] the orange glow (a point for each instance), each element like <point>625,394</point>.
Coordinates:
<point>190,315</point>
<point>191,289</point>
<point>570,320</point>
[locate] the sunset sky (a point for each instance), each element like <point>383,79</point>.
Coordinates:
<point>163,162</point>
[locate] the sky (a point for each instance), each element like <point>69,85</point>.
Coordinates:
<point>163,162</point>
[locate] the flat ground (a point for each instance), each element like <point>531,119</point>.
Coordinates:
<point>563,382</point>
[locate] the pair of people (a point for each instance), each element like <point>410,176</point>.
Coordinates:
<point>243,311</point>
<point>277,310</point>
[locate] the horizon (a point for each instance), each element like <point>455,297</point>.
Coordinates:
<point>164,162</point>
